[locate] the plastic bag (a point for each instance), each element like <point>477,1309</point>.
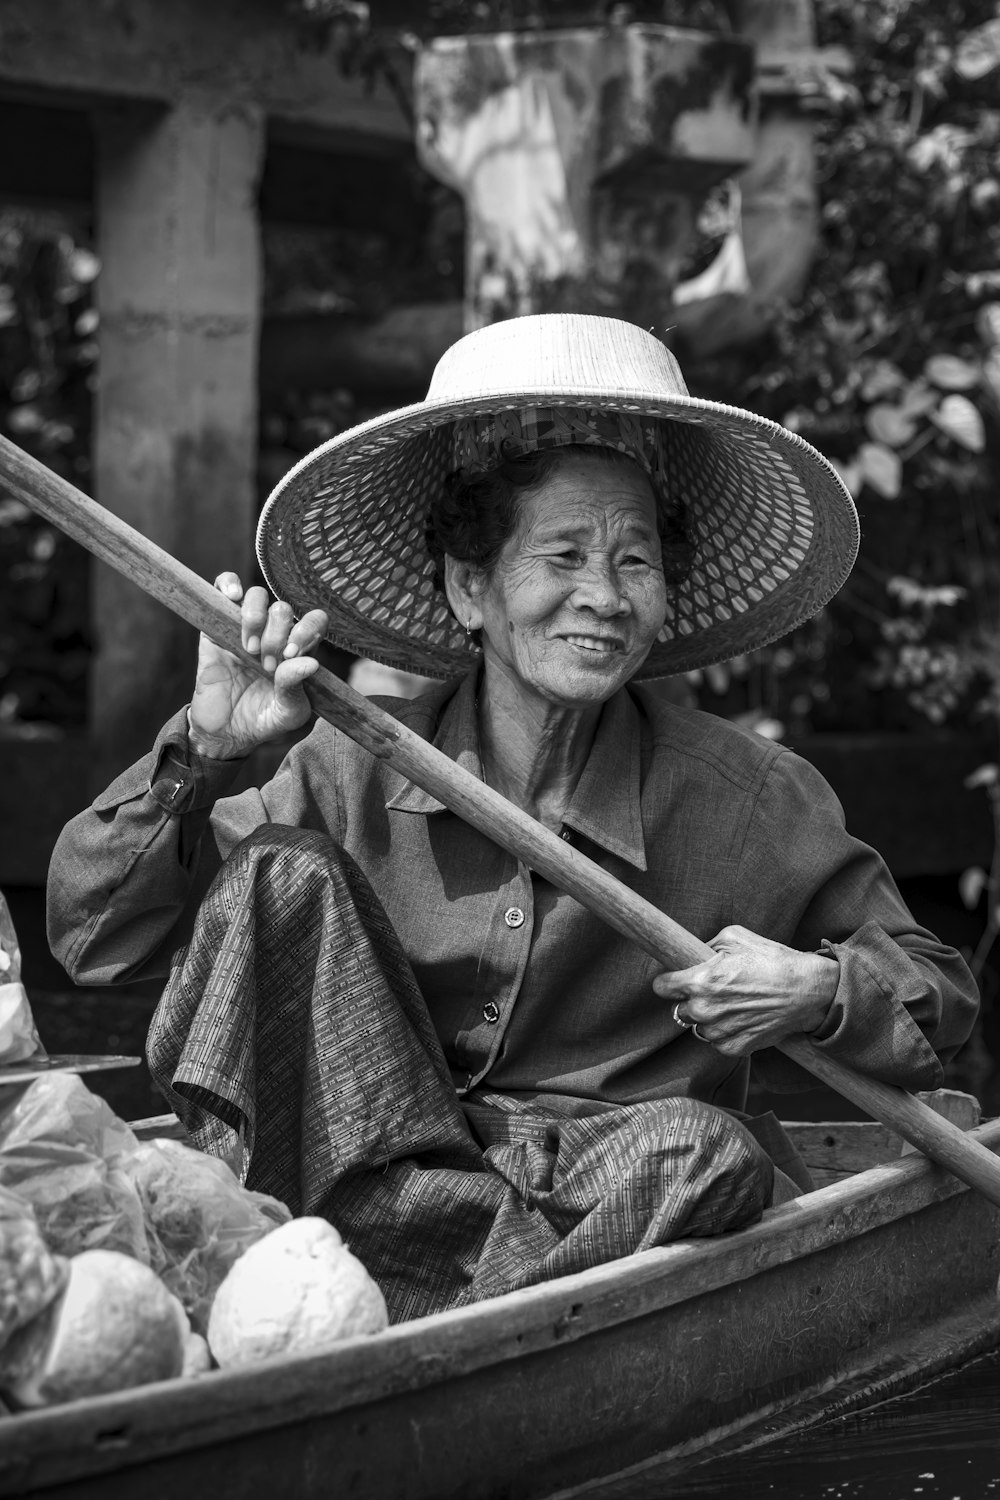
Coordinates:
<point>60,1147</point>
<point>31,1278</point>
<point>95,1186</point>
<point>198,1219</point>
<point>18,1037</point>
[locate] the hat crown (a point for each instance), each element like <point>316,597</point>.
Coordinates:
<point>566,355</point>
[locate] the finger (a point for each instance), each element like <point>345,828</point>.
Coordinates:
<point>289,677</point>
<point>306,633</point>
<point>735,939</point>
<point>275,635</point>
<point>253,618</point>
<point>230,585</point>
<point>677,984</point>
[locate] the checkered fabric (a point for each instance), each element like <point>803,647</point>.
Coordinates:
<point>292,1021</point>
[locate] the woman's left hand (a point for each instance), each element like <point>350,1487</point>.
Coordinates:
<point>752,993</point>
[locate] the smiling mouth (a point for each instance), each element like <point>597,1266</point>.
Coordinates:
<point>595,643</point>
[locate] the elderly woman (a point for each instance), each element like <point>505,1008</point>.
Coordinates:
<point>400,1025</point>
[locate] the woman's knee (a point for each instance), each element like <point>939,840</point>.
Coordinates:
<point>278,843</point>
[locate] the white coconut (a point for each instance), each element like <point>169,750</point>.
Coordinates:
<point>115,1326</point>
<point>297,1290</point>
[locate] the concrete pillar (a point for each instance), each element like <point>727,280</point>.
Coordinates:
<point>582,156</point>
<point>176,412</point>
<point>780,201</point>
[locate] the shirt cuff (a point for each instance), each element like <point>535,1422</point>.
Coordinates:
<point>181,780</point>
<point>866,1025</point>
<point>174,777</point>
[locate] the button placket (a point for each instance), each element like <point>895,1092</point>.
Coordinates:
<point>510,934</point>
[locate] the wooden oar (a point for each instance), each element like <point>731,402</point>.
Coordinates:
<point>198,602</point>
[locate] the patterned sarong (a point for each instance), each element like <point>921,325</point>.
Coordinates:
<point>293,1023</point>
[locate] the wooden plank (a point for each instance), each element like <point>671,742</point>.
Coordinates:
<point>475,1368</point>
<point>834,1150</point>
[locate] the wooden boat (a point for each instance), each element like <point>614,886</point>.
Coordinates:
<point>883,1277</point>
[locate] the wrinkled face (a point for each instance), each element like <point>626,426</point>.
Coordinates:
<point>578,596</point>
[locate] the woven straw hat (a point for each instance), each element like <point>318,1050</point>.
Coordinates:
<point>773,527</point>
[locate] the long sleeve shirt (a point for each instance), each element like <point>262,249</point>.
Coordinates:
<point>529,992</point>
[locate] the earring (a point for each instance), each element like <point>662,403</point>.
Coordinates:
<point>469,635</point>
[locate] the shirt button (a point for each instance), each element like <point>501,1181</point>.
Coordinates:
<point>491,1012</point>
<point>514,916</point>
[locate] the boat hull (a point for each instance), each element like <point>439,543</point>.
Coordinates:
<point>853,1291</point>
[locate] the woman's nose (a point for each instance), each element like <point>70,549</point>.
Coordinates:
<point>598,589</point>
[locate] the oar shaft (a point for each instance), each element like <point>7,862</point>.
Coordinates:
<point>195,600</point>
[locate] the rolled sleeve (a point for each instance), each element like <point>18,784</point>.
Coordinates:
<point>904,1002</point>
<point>872,1021</point>
<point>125,869</point>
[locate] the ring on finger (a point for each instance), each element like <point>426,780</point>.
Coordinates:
<point>682,1021</point>
<point>695,1032</point>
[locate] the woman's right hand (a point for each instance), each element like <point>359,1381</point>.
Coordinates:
<point>235,709</point>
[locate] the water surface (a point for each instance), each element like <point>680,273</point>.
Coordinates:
<point>939,1443</point>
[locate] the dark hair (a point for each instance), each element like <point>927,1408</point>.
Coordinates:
<point>473,516</point>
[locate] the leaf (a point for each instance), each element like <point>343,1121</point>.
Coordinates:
<point>24,419</point>
<point>25,385</point>
<point>988,323</point>
<point>890,425</point>
<point>978,53</point>
<point>882,469</point>
<point>84,265</point>
<point>950,373</point>
<point>958,419</point>
<point>881,380</point>
<point>991,373</point>
<point>906,590</point>
<point>971,884</point>
<point>918,399</point>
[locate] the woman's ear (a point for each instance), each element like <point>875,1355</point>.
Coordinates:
<point>463,584</point>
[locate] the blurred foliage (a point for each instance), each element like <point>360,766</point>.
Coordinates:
<point>48,349</point>
<point>890,365</point>
<point>364,273</point>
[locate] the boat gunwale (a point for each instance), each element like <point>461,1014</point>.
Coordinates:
<point>223,1404</point>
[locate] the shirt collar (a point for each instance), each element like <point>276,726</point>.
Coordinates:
<point>457,736</point>
<point>605,806</point>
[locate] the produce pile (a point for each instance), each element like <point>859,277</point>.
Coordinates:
<point>125,1261</point>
